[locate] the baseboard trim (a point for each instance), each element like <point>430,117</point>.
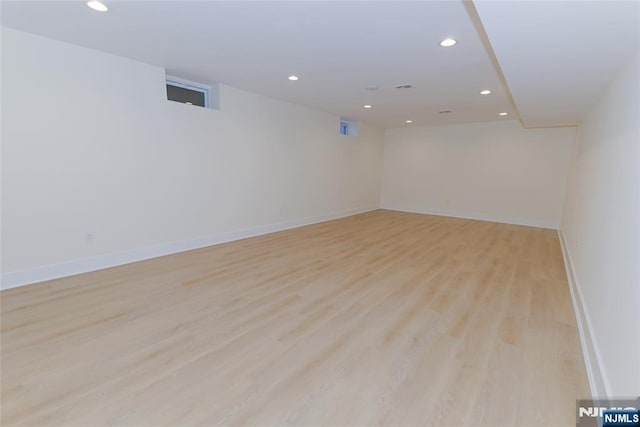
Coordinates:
<point>598,382</point>
<point>475,216</point>
<point>55,271</point>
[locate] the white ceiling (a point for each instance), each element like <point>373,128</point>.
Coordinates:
<point>336,48</point>
<point>339,47</point>
<point>558,57</point>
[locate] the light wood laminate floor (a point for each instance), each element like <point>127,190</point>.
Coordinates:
<point>384,318</point>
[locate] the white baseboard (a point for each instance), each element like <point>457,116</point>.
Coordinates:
<point>598,382</point>
<point>55,271</point>
<point>480,217</point>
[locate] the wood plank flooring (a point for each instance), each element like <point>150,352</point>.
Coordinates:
<point>384,318</point>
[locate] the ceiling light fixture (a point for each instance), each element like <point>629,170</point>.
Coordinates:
<point>96,5</point>
<point>408,121</point>
<point>371,87</point>
<point>503,114</point>
<point>448,42</point>
<point>485,92</point>
<point>293,78</point>
<point>367,106</point>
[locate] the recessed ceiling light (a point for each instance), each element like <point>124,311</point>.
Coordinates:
<point>367,106</point>
<point>485,92</point>
<point>503,114</point>
<point>371,87</point>
<point>96,5</point>
<point>408,121</point>
<point>293,78</point>
<point>448,42</point>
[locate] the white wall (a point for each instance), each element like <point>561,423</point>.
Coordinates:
<point>601,231</point>
<point>496,171</point>
<point>90,143</point>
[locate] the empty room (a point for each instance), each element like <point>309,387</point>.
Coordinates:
<point>320,213</point>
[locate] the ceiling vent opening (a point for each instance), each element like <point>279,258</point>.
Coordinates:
<point>403,86</point>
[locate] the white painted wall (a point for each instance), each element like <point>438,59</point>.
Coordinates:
<point>601,231</point>
<point>90,143</point>
<point>496,171</point>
